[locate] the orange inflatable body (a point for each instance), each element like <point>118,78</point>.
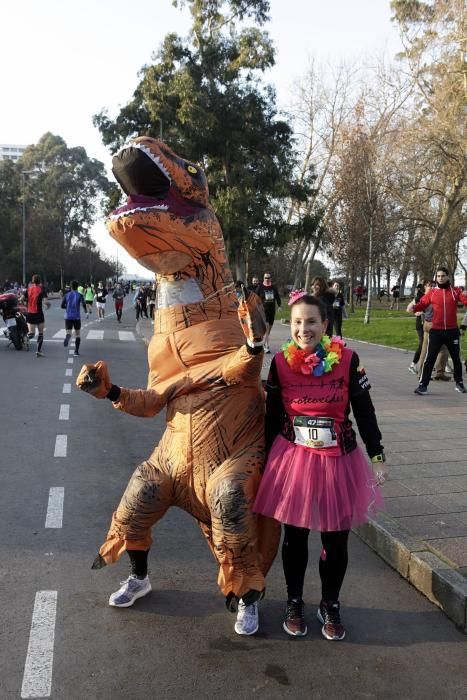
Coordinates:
<point>210,457</point>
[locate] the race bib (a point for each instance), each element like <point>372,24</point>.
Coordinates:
<point>268,295</point>
<point>314,432</point>
<point>336,304</point>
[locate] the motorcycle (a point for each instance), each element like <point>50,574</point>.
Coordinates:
<point>16,328</point>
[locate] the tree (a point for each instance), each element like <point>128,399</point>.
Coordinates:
<point>433,34</point>
<point>205,95</point>
<point>64,193</point>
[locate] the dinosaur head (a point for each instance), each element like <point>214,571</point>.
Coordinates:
<point>167,223</point>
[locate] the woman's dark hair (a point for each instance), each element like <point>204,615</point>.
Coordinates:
<point>322,283</point>
<point>36,279</point>
<point>311,301</point>
<point>442,269</point>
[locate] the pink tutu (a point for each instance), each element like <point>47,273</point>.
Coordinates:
<point>305,489</point>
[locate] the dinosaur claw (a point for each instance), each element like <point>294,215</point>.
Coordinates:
<point>98,563</point>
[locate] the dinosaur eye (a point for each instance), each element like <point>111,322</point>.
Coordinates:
<point>191,169</point>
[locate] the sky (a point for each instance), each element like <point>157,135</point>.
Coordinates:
<point>61,63</point>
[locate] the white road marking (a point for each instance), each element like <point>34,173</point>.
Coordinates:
<point>95,335</point>
<point>70,352</point>
<point>60,334</point>
<point>64,412</point>
<point>37,678</point>
<point>70,360</point>
<point>54,516</point>
<point>126,335</point>
<point>68,373</point>
<point>61,443</point>
<point>66,389</point>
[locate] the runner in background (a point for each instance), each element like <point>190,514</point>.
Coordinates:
<point>71,302</point>
<point>89,293</point>
<point>118,297</point>
<point>34,295</point>
<point>100,297</point>
<point>269,295</point>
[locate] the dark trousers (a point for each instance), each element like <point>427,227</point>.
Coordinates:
<point>436,339</point>
<point>418,351</point>
<point>332,562</point>
<point>338,323</point>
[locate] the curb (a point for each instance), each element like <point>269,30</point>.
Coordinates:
<point>415,562</point>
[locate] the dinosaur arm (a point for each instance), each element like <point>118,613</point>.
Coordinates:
<point>243,366</point>
<point>140,402</point>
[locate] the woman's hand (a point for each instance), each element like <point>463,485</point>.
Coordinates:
<point>94,380</point>
<point>381,473</point>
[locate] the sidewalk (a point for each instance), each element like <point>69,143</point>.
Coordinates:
<point>423,531</point>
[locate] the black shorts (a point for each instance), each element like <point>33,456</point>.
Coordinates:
<point>88,302</point>
<point>74,323</point>
<point>270,314</point>
<point>35,319</point>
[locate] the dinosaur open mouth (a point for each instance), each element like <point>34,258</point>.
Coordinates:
<point>147,184</point>
<point>139,172</point>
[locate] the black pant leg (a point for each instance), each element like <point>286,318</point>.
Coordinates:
<point>338,323</point>
<point>295,559</point>
<point>333,565</point>
<point>435,341</point>
<point>452,342</point>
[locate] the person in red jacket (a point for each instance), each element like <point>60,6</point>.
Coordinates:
<point>444,330</point>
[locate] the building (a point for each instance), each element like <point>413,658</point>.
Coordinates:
<point>11,151</point>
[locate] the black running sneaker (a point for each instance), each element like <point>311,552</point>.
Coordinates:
<point>461,388</point>
<point>329,616</point>
<point>294,619</point>
<point>421,389</point>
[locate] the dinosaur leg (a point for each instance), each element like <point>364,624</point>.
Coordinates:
<point>234,530</point>
<point>146,499</point>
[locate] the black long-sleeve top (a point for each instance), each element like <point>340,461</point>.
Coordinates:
<point>278,422</point>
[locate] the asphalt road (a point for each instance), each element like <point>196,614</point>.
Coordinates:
<point>178,642</point>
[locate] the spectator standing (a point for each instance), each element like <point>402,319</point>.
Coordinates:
<point>338,307</point>
<point>359,294</point>
<point>100,297</point>
<point>140,303</point>
<point>254,284</point>
<point>151,300</point>
<point>395,292</point>
<point>71,302</point>
<point>269,295</point>
<point>321,290</point>
<point>34,295</point>
<point>444,331</point>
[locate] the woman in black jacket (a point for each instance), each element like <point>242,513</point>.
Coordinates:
<point>320,289</point>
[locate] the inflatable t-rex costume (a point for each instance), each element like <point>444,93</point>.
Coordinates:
<point>209,459</point>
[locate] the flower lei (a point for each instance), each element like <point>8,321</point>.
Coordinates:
<point>327,353</point>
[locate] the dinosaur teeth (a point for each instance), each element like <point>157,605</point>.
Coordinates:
<point>159,207</point>
<point>155,159</point>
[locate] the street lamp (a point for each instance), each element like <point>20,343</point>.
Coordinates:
<point>23,174</point>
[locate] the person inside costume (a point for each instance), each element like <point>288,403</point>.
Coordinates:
<point>316,477</point>
<point>201,370</point>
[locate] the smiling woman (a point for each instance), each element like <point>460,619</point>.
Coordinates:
<point>316,476</point>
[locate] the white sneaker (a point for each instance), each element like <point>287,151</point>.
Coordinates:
<point>412,368</point>
<point>131,589</point>
<point>266,348</point>
<point>247,618</point>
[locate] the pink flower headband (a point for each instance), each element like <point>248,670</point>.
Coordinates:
<point>295,295</point>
